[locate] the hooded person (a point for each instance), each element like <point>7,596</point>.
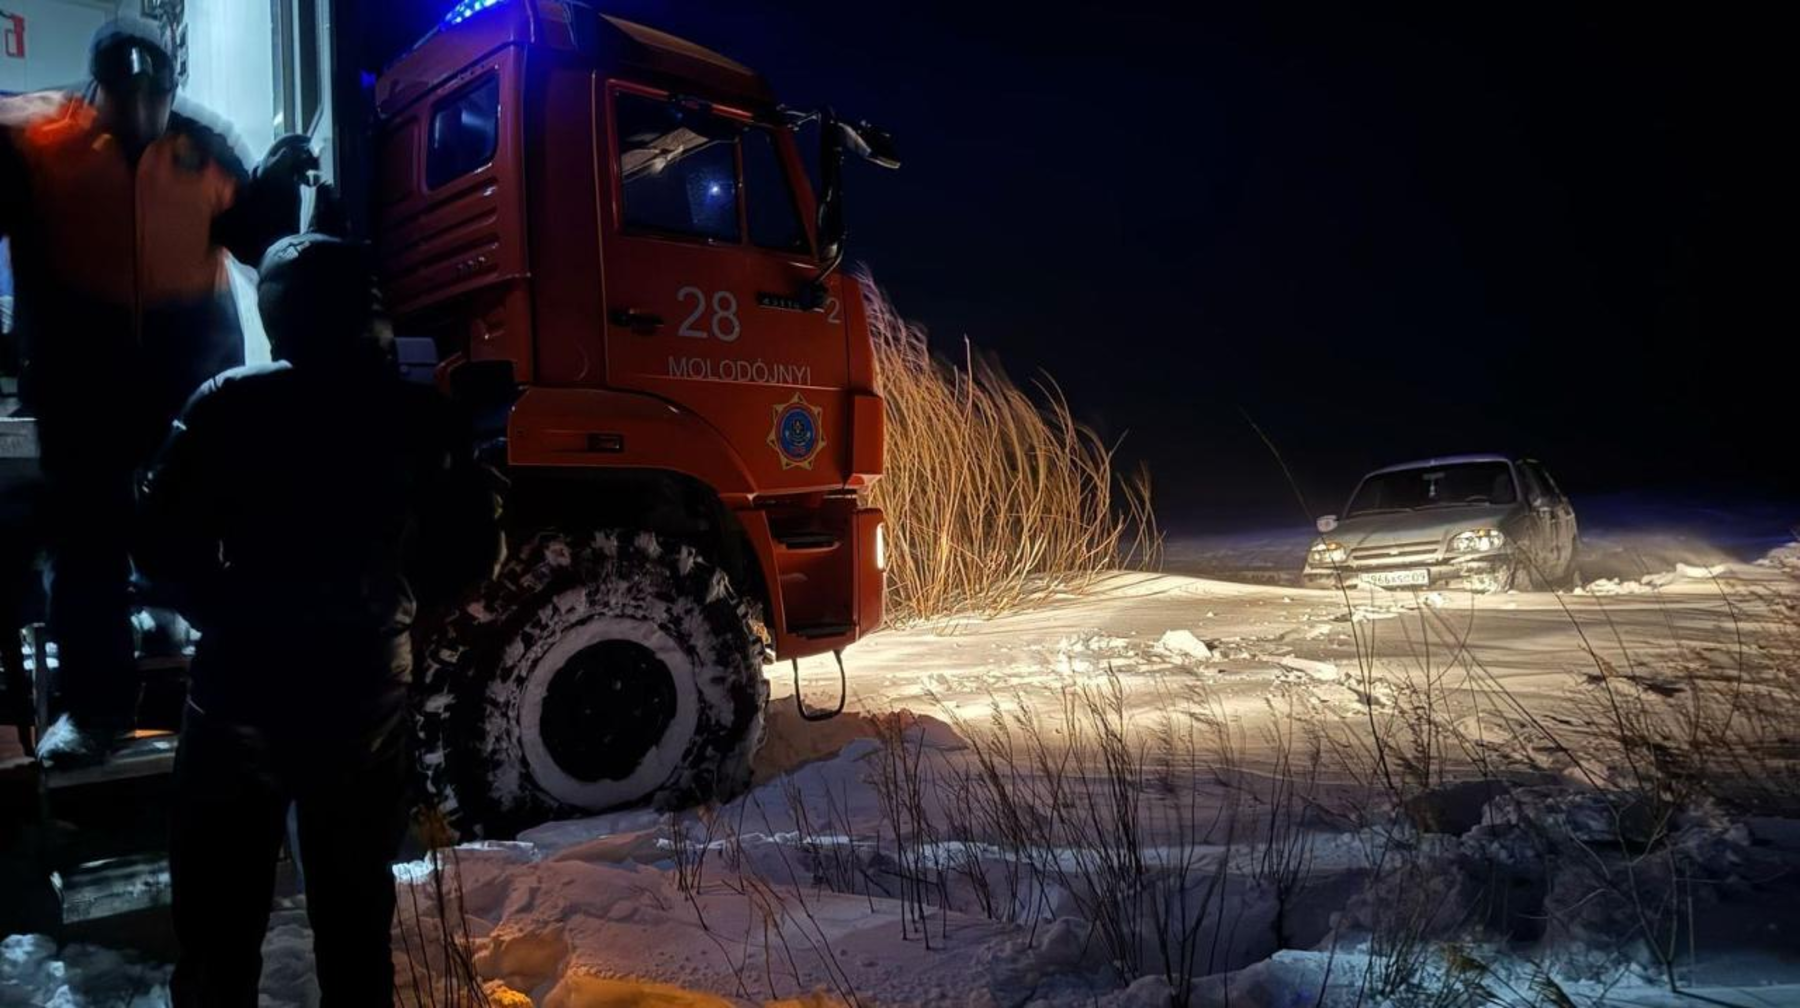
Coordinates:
<point>299,512</point>
<point>121,206</point>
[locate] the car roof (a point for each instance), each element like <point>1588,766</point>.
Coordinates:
<point>1445,460</point>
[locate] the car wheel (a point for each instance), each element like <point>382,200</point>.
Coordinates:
<point>1523,577</point>
<point>1572,579</point>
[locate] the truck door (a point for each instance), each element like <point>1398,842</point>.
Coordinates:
<point>705,252</point>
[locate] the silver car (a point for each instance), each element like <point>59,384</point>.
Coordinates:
<point>1479,522</point>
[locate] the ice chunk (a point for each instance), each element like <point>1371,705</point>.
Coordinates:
<point>1183,644</point>
<point>1321,670</point>
<point>1700,573</point>
<point>85,975</point>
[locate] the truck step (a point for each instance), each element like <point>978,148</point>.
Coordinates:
<point>820,631</point>
<point>148,754</point>
<point>113,887</point>
<point>806,541</point>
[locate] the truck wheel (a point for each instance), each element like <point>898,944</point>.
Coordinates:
<point>595,671</point>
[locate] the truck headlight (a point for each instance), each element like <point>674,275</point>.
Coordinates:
<point>1326,553</point>
<point>1478,541</point>
<point>881,546</point>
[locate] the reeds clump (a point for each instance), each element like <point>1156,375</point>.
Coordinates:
<point>431,922</point>
<point>995,498</point>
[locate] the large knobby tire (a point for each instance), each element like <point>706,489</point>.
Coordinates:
<point>595,671</point>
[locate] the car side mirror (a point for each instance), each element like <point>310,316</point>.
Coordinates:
<point>1326,523</point>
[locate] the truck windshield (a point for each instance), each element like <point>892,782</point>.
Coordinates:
<point>1435,486</point>
<point>678,167</point>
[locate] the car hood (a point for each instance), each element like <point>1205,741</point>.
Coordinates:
<point>1415,526</point>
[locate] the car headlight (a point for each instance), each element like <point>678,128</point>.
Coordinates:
<point>1326,553</point>
<point>1478,541</point>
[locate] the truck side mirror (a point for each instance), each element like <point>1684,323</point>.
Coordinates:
<point>1326,523</point>
<point>870,143</point>
<point>873,144</point>
<point>831,187</point>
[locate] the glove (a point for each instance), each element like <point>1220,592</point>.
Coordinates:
<point>289,159</point>
<point>328,214</point>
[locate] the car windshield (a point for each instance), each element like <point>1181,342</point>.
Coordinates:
<point>1435,486</point>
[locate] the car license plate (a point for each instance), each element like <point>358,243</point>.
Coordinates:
<point>1396,578</point>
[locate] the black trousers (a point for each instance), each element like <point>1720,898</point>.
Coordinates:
<point>99,426</point>
<point>233,786</point>
<point>89,503</point>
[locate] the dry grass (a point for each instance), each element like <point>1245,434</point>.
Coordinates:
<point>781,934</point>
<point>1091,813</point>
<point>1663,734</point>
<point>1713,723</point>
<point>904,783</point>
<point>994,499</point>
<point>1667,736</point>
<point>433,926</point>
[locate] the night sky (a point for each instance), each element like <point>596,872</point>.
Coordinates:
<point>1378,236</point>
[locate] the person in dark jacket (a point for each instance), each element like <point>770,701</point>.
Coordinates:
<point>299,511</point>
<point>120,207</point>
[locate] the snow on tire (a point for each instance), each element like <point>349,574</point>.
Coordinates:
<point>595,671</point>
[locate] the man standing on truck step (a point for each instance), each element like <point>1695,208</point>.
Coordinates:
<point>120,206</point>
<point>301,511</point>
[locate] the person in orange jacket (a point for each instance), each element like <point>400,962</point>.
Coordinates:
<point>121,207</point>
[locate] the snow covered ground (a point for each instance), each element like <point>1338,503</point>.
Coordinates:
<point>871,866</point>
<point>1243,642</point>
<point>802,887</point>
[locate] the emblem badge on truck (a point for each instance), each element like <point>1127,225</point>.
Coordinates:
<point>795,435</point>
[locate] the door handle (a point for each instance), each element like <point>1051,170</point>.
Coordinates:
<point>642,323</point>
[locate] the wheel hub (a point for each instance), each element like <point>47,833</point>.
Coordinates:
<point>605,708</point>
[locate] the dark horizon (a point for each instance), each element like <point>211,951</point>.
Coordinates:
<point>1378,237</point>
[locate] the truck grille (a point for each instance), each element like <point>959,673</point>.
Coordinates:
<point>1401,552</point>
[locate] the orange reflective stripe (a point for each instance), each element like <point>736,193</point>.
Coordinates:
<point>54,120</point>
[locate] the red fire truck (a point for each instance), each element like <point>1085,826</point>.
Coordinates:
<point>606,239</point>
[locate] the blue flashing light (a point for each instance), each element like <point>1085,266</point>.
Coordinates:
<point>466,9</point>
